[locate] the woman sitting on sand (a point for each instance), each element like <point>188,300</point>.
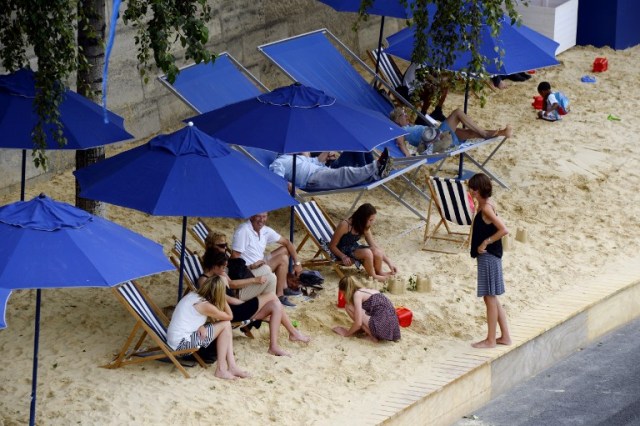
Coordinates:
<point>346,247</point>
<point>257,308</point>
<point>370,311</point>
<point>189,327</point>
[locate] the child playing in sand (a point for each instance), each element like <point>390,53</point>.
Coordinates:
<point>189,327</point>
<point>370,311</point>
<point>551,105</point>
<point>486,247</point>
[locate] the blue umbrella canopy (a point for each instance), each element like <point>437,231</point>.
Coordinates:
<point>393,8</point>
<point>50,244</point>
<point>186,173</point>
<point>297,118</point>
<point>82,119</point>
<point>524,49</point>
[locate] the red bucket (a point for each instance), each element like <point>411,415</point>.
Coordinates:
<point>341,300</point>
<point>405,316</point>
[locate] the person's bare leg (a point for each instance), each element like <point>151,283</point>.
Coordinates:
<point>492,322</point>
<point>223,342</point>
<point>275,318</point>
<point>231,359</point>
<point>365,327</point>
<point>365,256</point>
<point>472,128</point>
<point>279,264</point>
<point>378,259</point>
<point>505,337</point>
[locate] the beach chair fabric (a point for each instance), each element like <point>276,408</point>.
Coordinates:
<point>450,197</point>
<point>388,67</point>
<point>153,324</point>
<point>192,266</point>
<point>200,231</point>
<point>319,229</point>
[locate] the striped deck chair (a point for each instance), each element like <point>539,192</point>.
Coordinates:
<point>200,231</point>
<point>192,265</point>
<point>153,323</point>
<point>390,71</point>
<point>319,229</point>
<point>451,198</point>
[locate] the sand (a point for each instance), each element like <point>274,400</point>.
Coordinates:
<point>573,189</point>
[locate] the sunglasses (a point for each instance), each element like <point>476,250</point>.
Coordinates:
<point>222,246</point>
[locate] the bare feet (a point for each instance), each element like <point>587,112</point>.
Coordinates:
<point>239,373</point>
<point>483,344</point>
<point>278,351</point>
<point>299,337</point>
<point>503,341</point>
<point>506,132</point>
<point>502,85</point>
<point>226,375</point>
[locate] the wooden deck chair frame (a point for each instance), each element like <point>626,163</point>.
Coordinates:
<point>450,197</point>
<point>321,219</point>
<point>135,355</point>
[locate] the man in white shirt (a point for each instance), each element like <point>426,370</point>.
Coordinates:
<point>313,174</point>
<point>250,241</point>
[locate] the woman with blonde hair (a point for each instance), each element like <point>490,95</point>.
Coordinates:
<point>370,311</point>
<point>202,317</point>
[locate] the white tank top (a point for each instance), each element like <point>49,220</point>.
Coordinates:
<point>185,320</point>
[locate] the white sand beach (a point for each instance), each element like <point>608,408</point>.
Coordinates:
<point>573,188</point>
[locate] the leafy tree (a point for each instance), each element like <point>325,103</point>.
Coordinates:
<point>444,28</point>
<point>50,28</point>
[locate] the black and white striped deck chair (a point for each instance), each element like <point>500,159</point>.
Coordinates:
<point>390,71</point>
<point>200,231</point>
<point>153,324</point>
<point>319,229</point>
<point>451,198</point>
<point>192,265</point>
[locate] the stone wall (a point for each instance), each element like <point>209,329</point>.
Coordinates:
<point>238,27</point>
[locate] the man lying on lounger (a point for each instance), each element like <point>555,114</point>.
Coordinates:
<point>313,175</point>
<point>431,140</point>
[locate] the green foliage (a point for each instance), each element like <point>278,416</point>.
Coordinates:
<point>170,21</point>
<point>50,28</point>
<point>449,18</point>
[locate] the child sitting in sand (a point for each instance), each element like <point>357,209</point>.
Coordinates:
<point>370,311</point>
<point>190,326</point>
<point>554,104</point>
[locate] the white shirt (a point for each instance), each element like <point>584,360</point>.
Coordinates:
<point>185,320</point>
<point>252,245</point>
<point>305,168</point>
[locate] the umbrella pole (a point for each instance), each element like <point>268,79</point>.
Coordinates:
<point>24,173</point>
<point>379,44</point>
<point>34,378</point>
<point>292,213</point>
<point>184,249</point>
<point>466,101</point>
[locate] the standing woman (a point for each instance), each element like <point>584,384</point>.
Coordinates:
<point>346,247</point>
<point>370,311</point>
<point>486,247</point>
<point>189,327</point>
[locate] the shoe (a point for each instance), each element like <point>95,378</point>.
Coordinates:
<point>438,115</point>
<point>525,76</point>
<point>384,164</point>
<point>290,292</point>
<point>285,301</point>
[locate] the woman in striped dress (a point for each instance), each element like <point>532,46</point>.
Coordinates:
<point>189,326</point>
<point>486,248</point>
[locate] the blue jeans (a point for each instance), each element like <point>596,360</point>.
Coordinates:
<point>352,159</point>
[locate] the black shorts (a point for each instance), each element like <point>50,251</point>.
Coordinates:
<point>245,310</point>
